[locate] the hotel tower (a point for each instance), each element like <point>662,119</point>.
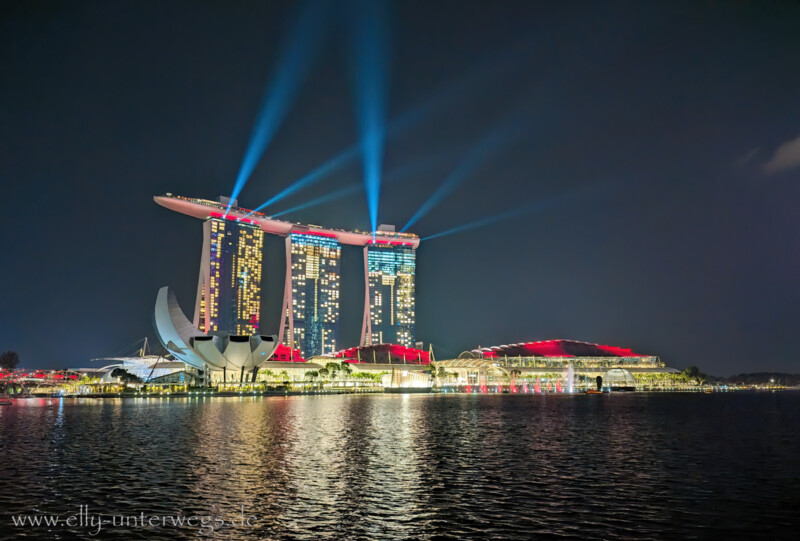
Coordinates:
<point>389,304</point>
<point>310,315</point>
<point>229,289</point>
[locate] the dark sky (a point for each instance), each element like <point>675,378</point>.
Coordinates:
<point>670,113</point>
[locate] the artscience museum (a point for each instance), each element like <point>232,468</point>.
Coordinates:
<point>224,357</point>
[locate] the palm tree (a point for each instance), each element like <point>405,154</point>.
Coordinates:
<point>333,368</point>
<point>438,373</point>
<point>267,373</point>
<point>434,373</point>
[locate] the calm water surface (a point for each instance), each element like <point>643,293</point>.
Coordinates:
<point>416,466</point>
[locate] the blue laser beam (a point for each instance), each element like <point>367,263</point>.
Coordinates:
<point>312,177</point>
<point>390,178</point>
<point>416,167</point>
<point>441,99</point>
<point>337,162</point>
<point>486,73</point>
<point>370,55</point>
<point>304,41</point>
<point>542,204</point>
<point>332,196</point>
<point>485,148</point>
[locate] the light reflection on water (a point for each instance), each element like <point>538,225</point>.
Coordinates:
<point>413,466</point>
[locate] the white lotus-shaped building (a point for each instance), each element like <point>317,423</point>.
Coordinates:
<point>235,356</point>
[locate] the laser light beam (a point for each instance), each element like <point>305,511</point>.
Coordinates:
<point>370,56</point>
<point>303,43</point>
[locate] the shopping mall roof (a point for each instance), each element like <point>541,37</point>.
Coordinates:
<point>556,348</point>
<point>204,209</point>
<point>384,353</point>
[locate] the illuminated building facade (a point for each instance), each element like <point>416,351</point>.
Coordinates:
<point>390,304</point>
<point>232,255</point>
<point>229,287</point>
<point>310,318</point>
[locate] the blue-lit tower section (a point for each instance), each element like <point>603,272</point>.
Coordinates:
<point>390,303</point>
<point>229,288</point>
<point>310,319</point>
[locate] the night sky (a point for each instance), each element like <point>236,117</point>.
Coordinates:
<point>661,139</point>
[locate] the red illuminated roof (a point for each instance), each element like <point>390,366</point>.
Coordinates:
<point>384,354</point>
<point>558,348</point>
<point>285,354</point>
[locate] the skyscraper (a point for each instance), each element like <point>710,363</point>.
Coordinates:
<point>229,288</point>
<point>228,292</point>
<point>390,304</point>
<point>310,319</point>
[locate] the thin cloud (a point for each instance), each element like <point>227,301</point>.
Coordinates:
<point>787,156</point>
<point>747,158</point>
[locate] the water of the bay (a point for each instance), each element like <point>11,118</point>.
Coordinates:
<point>631,466</point>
